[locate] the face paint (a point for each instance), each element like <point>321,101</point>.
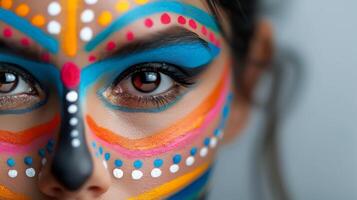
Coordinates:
<point>27,28</point>
<point>176,136</point>
<point>70,34</point>
<point>23,141</point>
<point>150,9</point>
<point>168,188</point>
<point>185,55</point>
<point>74,170</point>
<point>7,194</point>
<point>186,159</point>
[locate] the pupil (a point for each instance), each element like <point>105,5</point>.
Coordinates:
<point>146,82</point>
<point>8,82</point>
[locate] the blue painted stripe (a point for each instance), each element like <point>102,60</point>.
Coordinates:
<point>194,189</point>
<point>27,28</point>
<point>189,55</point>
<point>150,9</point>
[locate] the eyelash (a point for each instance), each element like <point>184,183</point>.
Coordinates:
<point>183,79</point>
<point>24,101</point>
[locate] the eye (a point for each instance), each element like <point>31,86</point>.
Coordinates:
<point>148,86</point>
<point>18,89</point>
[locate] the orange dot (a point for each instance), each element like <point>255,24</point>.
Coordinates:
<point>6,4</point>
<point>38,20</point>
<point>105,18</point>
<point>22,10</point>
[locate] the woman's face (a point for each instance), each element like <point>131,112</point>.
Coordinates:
<point>111,99</point>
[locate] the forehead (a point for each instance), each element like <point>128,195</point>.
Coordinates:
<point>71,28</point>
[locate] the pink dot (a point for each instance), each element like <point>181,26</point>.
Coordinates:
<point>70,75</point>
<point>149,23</point>
<point>130,36</point>
<point>181,20</point>
<point>165,18</point>
<point>92,58</point>
<point>45,57</point>
<point>111,45</point>
<point>204,30</point>
<point>192,24</point>
<point>7,32</point>
<point>25,42</point>
<point>218,43</point>
<point>212,37</point>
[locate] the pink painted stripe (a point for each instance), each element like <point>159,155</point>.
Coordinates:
<point>179,142</point>
<point>22,149</point>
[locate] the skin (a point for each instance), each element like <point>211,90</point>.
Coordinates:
<point>132,126</point>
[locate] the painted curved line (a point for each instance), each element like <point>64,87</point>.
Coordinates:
<point>27,136</point>
<point>178,135</point>
<point>173,186</point>
<point>27,28</point>
<point>150,9</point>
<point>7,194</point>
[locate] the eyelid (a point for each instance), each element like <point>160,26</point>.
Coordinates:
<point>188,55</point>
<point>46,74</point>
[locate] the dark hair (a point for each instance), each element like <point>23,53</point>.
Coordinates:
<point>242,17</point>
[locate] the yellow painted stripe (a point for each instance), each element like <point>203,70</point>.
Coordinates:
<point>7,194</point>
<point>168,188</point>
<point>69,43</point>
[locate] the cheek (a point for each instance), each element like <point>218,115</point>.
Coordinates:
<point>187,145</point>
<point>22,153</point>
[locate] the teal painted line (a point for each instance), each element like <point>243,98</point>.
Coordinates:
<point>27,28</point>
<point>150,9</point>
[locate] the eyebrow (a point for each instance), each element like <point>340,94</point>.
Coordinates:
<point>28,29</point>
<point>172,35</point>
<point>25,52</point>
<point>150,9</point>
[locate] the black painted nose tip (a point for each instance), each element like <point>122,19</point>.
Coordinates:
<point>72,163</point>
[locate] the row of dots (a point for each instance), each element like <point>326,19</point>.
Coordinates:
<point>72,97</point>
<point>86,33</point>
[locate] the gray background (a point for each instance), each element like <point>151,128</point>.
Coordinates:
<point>319,135</point>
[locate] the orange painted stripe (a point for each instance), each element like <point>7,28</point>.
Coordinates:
<point>27,136</point>
<point>7,194</point>
<point>184,125</point>
<point>70,28</point>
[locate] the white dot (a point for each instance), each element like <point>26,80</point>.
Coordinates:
<point>76,143</point>
<point>190,160</point>
<point>213,142</point>
<point>73,121</point>
<point>105,164</point>
<point>87,16</point>
<point>91,2</point>
<point>30,172</point>
<point>174,168</point>
<point>72,109</point>
<point>54,27</point>
<point>43,161</point>
<point>74,133</point>
<point>72,96</point>
<point>12,173</point>
<point>137,174</point>
<point>204,152</point>
<point>156,172</point>
<point>54,8</point>
<point>86,34</point>
<point>118,173</point>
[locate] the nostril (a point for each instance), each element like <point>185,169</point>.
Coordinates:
<point>55,191</point>
<point>96,190</point>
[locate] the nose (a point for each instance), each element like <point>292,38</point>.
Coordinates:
<point>93,188</point>
<point>73,173</point>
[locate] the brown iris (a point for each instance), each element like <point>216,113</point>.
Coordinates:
<point>8,82</point>
<point>146,82</point>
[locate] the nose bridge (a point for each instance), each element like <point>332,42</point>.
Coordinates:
<point>72,163</point>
